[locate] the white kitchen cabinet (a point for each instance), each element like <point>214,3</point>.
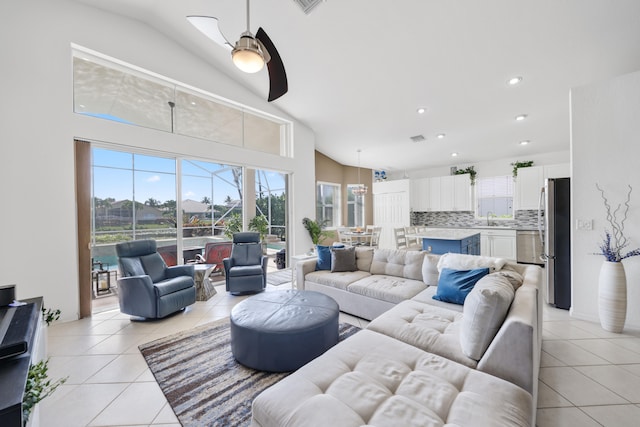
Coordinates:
<point>463,194</point>
<point>529,182</point>
<point>434,194</point>
<point>420,195</point>
<point>498,243</point>
<point>447,193</point>
<point>562,170</point>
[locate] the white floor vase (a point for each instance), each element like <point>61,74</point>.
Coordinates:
<point>612,296</point>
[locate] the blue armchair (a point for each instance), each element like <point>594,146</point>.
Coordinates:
<point>147,287</point>
<point>246,268</point>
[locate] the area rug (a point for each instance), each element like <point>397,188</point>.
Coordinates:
<point>280,277</point>
<point>203,383</point>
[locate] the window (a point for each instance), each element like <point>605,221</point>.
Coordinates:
<point>495,197</point>
<point>122,93</point>
<point>355,207</point>
<point>328,204</point>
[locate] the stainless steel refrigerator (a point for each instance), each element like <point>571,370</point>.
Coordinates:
<point>554,225</point>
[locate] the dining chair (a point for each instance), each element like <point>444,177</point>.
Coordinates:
<point>343,235</point>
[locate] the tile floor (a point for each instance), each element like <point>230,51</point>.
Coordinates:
<point>588,377</point>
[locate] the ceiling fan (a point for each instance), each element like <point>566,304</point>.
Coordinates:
<point>250,52</point>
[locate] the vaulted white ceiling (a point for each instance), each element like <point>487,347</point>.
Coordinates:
<point>359,69</point>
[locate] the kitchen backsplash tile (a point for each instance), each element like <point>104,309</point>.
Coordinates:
<point>523,218</point>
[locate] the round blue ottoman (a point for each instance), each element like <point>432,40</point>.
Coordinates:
<point>283,330</point>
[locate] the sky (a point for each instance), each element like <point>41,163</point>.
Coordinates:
<point>114,175</point>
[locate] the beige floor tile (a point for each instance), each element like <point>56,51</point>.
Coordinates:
<point>615,415</point>
<point>146,376</point>
<point>632,344</point>
<point>571,354</point>
<point>79,327</point>
<point>110,326</point>
<point>548,398</point>
<point>547,360</point>
<point>74,345</point>
<point>166,416</point>
<point>116,344</point>
<point>564,417</point>
<point>608,350</point>
<point>616,379</point>
<point>78,369</point>
<point>546,335</point>
<point>78,406</point>
<point>124,368</point>
<point>139,403</point>
<point>634,369</point>
<point>577,388</point>
<point>567,331</point>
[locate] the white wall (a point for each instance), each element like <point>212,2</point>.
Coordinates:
<point>497,167</point>
<point>605,149</point>
<point>38,214</point>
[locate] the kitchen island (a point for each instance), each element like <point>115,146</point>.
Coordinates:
<point>443,240</point>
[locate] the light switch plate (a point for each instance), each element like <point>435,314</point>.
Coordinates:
<point>584,224</point>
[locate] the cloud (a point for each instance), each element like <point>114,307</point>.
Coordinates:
<point>154,178</point>
<point>189,194</point>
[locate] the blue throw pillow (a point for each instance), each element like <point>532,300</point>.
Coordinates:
<point>455,285</point>
<point>324,257</point>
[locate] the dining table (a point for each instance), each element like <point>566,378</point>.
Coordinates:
<point>359,238</point>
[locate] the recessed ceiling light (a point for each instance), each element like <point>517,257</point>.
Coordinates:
<point>525,142</point>
<point>521,117</point>
<point>440,135</point>
<point>454,154</point>
<point>193,102</point>
<point>514,80</point>
<point>421,110</point>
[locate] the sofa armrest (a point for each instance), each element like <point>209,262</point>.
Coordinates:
<point>302,269</point>
<point>514,353</point>
<point>180,270</point>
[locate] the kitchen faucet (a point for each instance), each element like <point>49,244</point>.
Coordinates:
<point>489,217</point>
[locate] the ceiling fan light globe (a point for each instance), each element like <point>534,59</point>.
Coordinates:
<point>247,55</point>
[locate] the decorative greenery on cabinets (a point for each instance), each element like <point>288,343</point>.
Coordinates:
<point>516,165</point>
<point>471,171</point>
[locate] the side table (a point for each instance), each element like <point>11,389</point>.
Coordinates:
<point>204,287</point>
<point>295,259</point>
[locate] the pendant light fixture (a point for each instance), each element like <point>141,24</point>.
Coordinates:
<point>360,189</point>
<point>248,55</point>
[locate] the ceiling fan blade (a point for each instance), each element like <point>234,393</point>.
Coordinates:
<point>278,85</point>
<point>208,25</point>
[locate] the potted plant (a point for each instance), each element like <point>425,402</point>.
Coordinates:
<point>315,230</point>
<point>612,283</point>
<point>38,386</point>
<point>260,224</point>
<point>233,224</point>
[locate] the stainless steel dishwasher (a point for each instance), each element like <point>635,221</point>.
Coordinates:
<point>529,247</point>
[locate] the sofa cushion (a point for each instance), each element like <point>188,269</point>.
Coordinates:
<point>430,273</point>
<point>427,327</point>
<point>455,285</point>
<point>343,259</point>
<point>393,262</point>
<point>387,288</point>
<point>371,379</point>
<point>170,286</point>
<point>470,262</point>
<point>515,278</point>
<point>484,311</point>
<point>364,256</point>
<point>336,280</point>
<point>324,257</point>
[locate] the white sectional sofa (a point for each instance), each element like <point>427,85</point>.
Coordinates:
<point>420,361</point>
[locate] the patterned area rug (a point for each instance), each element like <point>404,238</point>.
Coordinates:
<point>203,383</point>
<point>279,277</point>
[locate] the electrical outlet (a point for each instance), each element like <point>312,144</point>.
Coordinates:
<point>584,224</point>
